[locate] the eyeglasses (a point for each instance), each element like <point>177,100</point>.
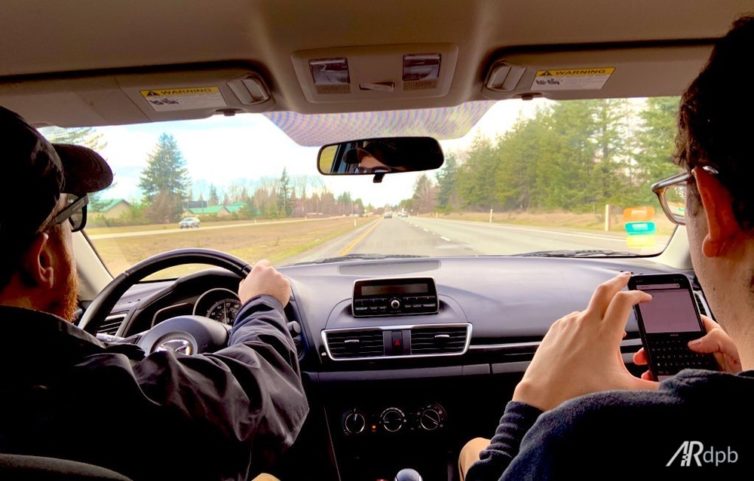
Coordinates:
<point>74,212</point>
<point>672,194</point>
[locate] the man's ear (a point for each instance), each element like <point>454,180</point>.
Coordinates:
<point>722,226</point>
<point>38,262</point>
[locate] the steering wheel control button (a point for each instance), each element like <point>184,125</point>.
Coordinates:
<point>354,422</point>
<point>392,420</point>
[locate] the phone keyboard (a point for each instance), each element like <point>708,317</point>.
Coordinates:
<point>672,355</point>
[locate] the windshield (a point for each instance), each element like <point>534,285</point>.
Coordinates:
<point>549,178</point>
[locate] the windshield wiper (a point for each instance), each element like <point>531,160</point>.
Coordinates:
<point>354,257</point>
<point>578,253</point>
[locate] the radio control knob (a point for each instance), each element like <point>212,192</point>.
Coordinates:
<point>395,304</point>
<point>392,420</point>
<point>354,422</point>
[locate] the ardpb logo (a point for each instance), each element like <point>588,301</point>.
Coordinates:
<point>692,453</point>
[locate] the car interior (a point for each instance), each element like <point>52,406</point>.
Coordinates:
<point>404,359</point>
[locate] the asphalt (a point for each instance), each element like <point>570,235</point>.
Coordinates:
<point>425,236</point>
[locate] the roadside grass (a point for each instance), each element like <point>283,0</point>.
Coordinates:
<point>150,227</point>
<point>276,242</point>
<point>588,222</point>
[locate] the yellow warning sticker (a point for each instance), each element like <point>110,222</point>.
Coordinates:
<point>592,78</point>
<point>184,98</point>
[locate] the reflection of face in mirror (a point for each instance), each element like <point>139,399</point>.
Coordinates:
<point>374,157</point>
<point>380,156</point>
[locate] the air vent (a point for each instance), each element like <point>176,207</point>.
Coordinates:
<point>355,344</point>
<point>439,340</point>
<point>111,324</point>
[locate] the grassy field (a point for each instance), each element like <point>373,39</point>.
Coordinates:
<point>556,219</point>
<point>275,241</point>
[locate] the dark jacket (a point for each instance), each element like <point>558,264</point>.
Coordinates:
<point>698,425</point>
<point>219,416</point>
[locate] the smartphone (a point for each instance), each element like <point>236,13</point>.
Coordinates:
<point>667,323</point>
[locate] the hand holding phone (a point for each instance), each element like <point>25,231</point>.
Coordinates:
<point>668,323</point>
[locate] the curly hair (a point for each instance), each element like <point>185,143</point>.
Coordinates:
<point>716,119</point>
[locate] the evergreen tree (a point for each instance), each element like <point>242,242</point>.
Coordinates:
<point>285,206</point>
<point>164,181</point>
<point>446,184</point>
<point>86,136</point>
<point>213,199</point>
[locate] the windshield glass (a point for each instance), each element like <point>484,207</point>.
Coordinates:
<point>553,178</point>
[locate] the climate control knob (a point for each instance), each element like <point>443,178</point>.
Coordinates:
<point>395,304</point>
<point>431,417</point>
<point>392,420</point>
<point>354,422</point>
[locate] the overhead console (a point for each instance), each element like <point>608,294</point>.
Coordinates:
<point>378,72</point>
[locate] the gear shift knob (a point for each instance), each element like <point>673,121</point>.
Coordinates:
<point>408,474</point>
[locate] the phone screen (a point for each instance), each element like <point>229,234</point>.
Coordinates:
<point>672,309</point>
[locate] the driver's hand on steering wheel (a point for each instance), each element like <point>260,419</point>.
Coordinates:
<point>264,280</point>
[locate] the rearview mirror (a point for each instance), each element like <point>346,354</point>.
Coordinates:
<point>380,156</point>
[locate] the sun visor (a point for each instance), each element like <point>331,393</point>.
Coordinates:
<point>126,97</point>
<point>595,72</point>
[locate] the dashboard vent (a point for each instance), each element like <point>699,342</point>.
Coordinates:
<point>439,340</point>
<point>355,344</point>
<point>111,324</point>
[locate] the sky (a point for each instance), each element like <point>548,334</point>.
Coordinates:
<point>226,150</point>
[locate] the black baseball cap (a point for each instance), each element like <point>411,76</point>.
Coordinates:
<point>34,173</point>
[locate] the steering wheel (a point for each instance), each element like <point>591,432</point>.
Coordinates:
<point>184,334</point>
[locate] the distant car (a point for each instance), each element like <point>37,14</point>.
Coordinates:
<point>388,215</point>
<point>189,223</point>
<point>402,214</point>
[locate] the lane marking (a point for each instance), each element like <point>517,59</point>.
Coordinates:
<point>444,238</point>
<point>360,238</point>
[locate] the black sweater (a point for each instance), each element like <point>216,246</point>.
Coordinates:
<point>219,416</point>
<point>698,425</point>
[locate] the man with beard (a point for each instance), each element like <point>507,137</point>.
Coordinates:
<point>65,394</point>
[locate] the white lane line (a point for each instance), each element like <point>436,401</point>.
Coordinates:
<point>444,238</point>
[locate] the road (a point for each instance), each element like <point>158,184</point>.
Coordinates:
<point>426,236</point>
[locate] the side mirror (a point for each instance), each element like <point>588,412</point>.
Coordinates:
<point>380,156</point>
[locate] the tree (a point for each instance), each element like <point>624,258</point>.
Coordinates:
<point>213,199</point>
<point>164,181</point>
<point>656,144</point>
<point>446,185</point>
<point>86,136</point>
<point>425,195</point>
<point>285,206</point>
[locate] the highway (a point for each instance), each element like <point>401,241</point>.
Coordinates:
<point>425,236</point>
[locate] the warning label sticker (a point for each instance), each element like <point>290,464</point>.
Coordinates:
<point>572,78</point>
<point>184,98</point>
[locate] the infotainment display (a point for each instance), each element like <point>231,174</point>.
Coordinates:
<point>394,297</point>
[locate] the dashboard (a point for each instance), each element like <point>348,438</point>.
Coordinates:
<point>403,360</point>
